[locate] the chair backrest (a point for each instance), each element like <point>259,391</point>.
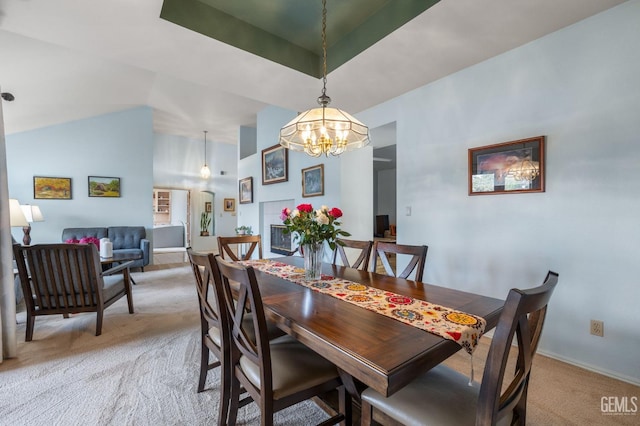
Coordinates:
<point>381,249</point>
<point>205,270</point>
<point>247,302</point>
<point>231,246</point>
<point>60,277</point>
<point>523,315</point>
<point>363,257</point>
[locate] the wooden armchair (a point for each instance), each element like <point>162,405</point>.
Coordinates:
<point>68,278</point>
<point>231,246</point>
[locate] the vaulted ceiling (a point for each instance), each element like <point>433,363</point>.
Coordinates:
<point>213,64</point>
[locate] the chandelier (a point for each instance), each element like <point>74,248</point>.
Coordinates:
<point>205,172</point>
<point>324,130</point>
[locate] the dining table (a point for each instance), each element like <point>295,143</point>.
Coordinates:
<point>368,348</point>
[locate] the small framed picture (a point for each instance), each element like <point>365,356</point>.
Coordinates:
<point>229,204</point>
<point>100,186</point>
<point>246,190</point>
<point>313,181</point>
<point>207,206</point>
<point>51,188</point>
<point>507,168</point>
<point>275,165</point>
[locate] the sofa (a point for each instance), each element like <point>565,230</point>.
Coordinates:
<point>125,239</point>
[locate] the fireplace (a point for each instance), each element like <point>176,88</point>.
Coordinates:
<point>280,242</point>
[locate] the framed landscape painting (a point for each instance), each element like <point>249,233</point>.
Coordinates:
<point>507,168</point>
<point>246,190</point>
<point>275,165</point>
<point>313,181</point>
<point>100,186</point>
<point>51,188</point>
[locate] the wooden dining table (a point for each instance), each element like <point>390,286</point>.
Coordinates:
<point>369,349</point>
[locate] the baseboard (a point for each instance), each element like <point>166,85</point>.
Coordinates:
<point>631,380</point>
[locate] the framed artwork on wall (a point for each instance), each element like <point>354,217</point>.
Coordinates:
<point>275,165</point>
<point>51,188</point>
<point>313,181</point>
<point>246,190</point>
<point>100,186</point>
<point>207,206</point>
<point>229,204</point>
<point>507,168</point>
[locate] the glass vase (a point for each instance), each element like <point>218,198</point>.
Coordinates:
<point>312,260</point>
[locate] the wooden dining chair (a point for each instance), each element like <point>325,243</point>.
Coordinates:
<point>66,279</point>
<point>362,261</point>
<point>382,250</point>
<point>231,246</point>
<point>215,327</point>
<point>442,396</point>
<point>278,373</point>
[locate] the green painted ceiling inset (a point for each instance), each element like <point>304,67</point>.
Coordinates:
<point>289,31</point>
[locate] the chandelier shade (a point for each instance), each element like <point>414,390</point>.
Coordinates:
<point>328,131</point>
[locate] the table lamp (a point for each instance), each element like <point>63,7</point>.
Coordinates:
<point>16,217</point>
<point>32,214</point>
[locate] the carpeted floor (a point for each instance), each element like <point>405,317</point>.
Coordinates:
<point>143,370</point>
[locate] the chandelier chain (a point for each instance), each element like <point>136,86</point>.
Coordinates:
<point>324,47</point>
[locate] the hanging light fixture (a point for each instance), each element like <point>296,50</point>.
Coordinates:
<point>324,130</point>
<point>205,172</point>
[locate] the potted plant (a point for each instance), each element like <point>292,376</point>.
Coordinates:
<point>244,230</point>
<point>205,221</point>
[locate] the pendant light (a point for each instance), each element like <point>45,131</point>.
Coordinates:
<point>205,172</point>
<point>324,130</point>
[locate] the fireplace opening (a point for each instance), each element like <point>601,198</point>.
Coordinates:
<point>280,242</point>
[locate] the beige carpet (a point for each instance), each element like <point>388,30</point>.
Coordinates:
<point>142,370</point>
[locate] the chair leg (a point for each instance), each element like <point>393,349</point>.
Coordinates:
<point>204,366</point>
<point>99,322</point>
<point>234,401</point>
<point>30,323</point>
<point>366,414</point>
<point>127,286</point>
<point>344,405</point>
<point>225,389</point>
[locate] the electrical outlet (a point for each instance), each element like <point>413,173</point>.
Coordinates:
<point>597,328</point>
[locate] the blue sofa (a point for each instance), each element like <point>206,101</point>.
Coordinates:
<point>125,239</point>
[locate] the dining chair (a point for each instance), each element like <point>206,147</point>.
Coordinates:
<point>233,246</point>
<point>214,326</point>
<point>382,250</point>
<point>66,279</point>
<point>278,373</point>
<point>442,396</point>
<point>363,257</point>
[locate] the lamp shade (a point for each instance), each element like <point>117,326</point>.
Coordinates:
<point>32,213</point>
<point>17,216</point>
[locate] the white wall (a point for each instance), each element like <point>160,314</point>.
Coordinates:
<point>579,87</point>
<point>116,145</point>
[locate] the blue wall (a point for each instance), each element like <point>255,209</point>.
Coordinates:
<point>115,145</point>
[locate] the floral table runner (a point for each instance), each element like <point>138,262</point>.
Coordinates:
<point>464,329</point>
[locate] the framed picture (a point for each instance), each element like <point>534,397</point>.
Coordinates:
<point>275,165</point>
<point>229,204</point>
<point>207,206</point>
<point>51,188</point>
<point>313,181</point>
<point>100,186</point>
<point>506,168</point>
<point>246,190</point>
